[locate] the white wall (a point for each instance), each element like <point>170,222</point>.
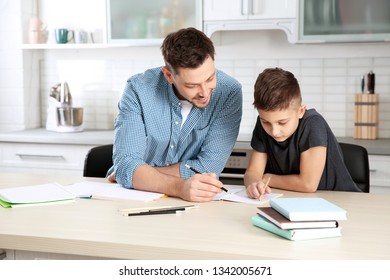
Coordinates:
<point>329,75</point>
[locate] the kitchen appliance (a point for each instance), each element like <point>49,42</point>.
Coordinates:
<point>236,165</point>
<point>61,115</point>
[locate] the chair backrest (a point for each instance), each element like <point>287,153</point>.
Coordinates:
<point>97,161</point>
<point>356,161</point>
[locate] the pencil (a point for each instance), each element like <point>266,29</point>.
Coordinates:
<point>269,179</point>
<point>197,172</point>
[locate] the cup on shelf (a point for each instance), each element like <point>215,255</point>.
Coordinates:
<point>63,35</point>
<point>37,31</point>
<point>38,36</point>
<point>81,37</point>
<point>97,36</point>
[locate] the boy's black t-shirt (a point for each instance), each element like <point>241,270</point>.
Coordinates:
<point>312,131</point>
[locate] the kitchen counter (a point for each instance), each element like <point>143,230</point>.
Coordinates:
<point>374,147</point>
<point>42,136</point>
<point>101,137</point>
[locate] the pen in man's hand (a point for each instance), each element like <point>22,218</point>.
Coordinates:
<point>197,172</point>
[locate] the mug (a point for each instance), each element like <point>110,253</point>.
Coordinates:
<point>62,35</point>
<point>38,37</point>
<point>81,37</point>
<point>37,25</point>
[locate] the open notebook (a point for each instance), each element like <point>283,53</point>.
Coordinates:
<point>110,191</point>
<point>54,193</point>
<point>239,195</point>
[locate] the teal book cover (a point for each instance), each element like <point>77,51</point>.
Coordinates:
<point>296,234</point>
<point>308,209</point>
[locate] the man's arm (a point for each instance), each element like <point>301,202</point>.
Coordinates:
<point>198,188</point>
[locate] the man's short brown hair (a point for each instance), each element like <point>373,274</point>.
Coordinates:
<point>186,48</point>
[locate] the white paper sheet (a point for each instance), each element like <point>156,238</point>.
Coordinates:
<point>110,191</point>
<point>239,195</point>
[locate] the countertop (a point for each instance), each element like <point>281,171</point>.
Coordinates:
<point>42,136</point>
<point>101,137</point>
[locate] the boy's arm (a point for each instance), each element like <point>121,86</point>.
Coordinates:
<point>311,168</point>
<point>253,178</point>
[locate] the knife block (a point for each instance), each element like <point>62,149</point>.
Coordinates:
<point>366,116</point>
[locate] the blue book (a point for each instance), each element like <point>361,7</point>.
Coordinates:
<point>308,209</point>
<point>296,234</point>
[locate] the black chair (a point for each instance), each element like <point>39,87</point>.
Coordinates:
<point>97,161</point>
<point>356,161</point>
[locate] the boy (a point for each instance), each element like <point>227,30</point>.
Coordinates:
<point>293,146</point>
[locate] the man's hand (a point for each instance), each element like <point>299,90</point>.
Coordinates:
<point>111,178</point>
<point>201,187</point>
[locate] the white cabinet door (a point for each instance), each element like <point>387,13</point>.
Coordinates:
<point>271,9</point>
<point>225,9</point>
<point>248,9</point>
<point>34,158</point>
<point>379,173</point>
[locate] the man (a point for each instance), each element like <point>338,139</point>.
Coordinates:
<point>184,113</point>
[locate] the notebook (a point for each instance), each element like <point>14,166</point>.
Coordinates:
<point>110,191</point>
<point>308,209</point>
<point>282,222</point>
<point>35,195</point>
<point>296,234</point>
<point>239,195</point>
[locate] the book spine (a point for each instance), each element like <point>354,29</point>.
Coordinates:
<point>279,209</point>
<point>261,223</point>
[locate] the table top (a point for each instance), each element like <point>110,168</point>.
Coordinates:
<point>214,230</point>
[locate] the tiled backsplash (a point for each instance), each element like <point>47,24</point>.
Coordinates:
<point>327,84</point>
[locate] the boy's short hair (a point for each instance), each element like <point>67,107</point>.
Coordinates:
<point>186,48</point>
<point>275,89</point>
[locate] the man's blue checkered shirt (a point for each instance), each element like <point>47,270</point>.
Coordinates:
<point>147,129</point>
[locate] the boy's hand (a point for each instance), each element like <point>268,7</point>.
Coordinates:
<point>257,190</point>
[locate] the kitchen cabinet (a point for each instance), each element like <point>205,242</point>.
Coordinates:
<point>248,9</point>
<point>110,23</point>
<point>33,158</point>
<point>344,20</point>
<point>133,22</point>
<point>220,15</point>
<point>379,173</point>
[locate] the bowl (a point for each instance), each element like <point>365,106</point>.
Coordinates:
<point>70,116</point>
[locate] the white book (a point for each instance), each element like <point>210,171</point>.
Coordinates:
<point>308,209</point>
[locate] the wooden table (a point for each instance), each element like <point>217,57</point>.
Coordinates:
<point>215,230</point>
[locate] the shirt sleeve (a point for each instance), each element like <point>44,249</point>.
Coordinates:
<point>221,136</point>
<point>129,138</point>
<point>314,133</point>
<point>257,142</point>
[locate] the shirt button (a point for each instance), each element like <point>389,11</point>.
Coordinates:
<point>176,122</point>
<point>172,146</point>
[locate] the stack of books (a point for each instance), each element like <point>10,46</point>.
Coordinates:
<point>300,218</point>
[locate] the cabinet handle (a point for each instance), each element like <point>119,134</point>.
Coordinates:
<point>372,170</point>
<point>244,7</point>
<point>256,7</point>
<point>31,156</point>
